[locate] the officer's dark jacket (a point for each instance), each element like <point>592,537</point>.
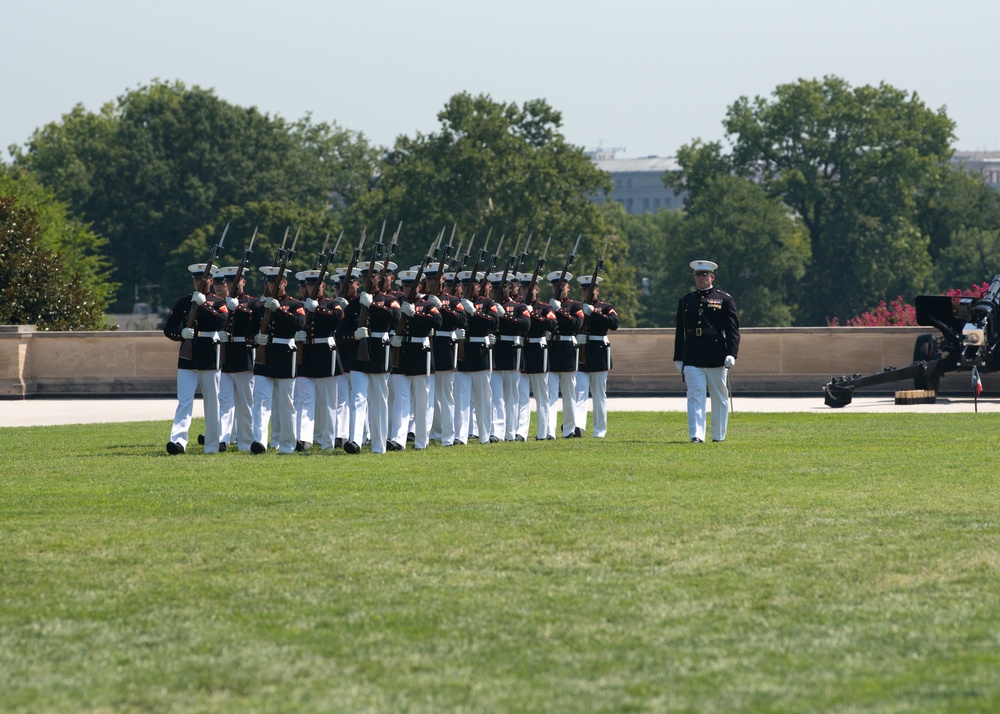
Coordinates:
<point>562,353</point>
<point>238,353</point>
<point>514,323</point>
<point>319,353</point>
<point>416,336</point>
<point>453,317</point>
<point>602,320</point>
<point>289,318</point>
<point>707,330</point>
<point>383,315</point>
<point>482,323</point>
<point>210,319</point>
<point>543,321</point>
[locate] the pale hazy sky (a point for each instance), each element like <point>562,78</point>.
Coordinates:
<point>639,74</point>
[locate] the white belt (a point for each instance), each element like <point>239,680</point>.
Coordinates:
<point>538,341</point>
<point>445,335</point>
<point>380,336</point>
<point>516,339</point>
<point>239,339</point>
<point>214,336</point>
<point>283,341</point>
<point>598,338</point>
<point>565,338</point>
<point>479,339</point>
<point>323,341</point>
<point>422,340</point>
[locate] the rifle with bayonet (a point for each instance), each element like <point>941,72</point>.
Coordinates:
<point>187,346</point>
<point>236,282</point>
<point>513,262</point>
<point>538,268</point>
<point>283,257</point>
<point>352,264</point>
<point>585,330</point>
<point>362,354</point>
<point>322,264</point>
<point>490,268</point>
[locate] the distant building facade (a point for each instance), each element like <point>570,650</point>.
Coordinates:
<point>638,183</point>
<point>984,163</point>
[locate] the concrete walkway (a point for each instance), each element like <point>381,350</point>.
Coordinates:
<point>47,412</point>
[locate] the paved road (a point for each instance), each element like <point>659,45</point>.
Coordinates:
<point>42,412</point>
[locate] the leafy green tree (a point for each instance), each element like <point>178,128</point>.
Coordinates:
<point>852,162</point>
<point>760,246</point>
<point>971,257</point>
<point>35,286</point>
<point>81,251</point>
<point>653,240</point>
<point>165,161</point>
<point>504,167</point>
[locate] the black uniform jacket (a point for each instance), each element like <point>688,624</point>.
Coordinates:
<point>482,324</point>
<point>238,350</point>
<point>279,352</point>
<point>416,355</point>
<point>319,354</point>
<point>563,350</point>
<point>209,320</point>
<point>707,330</point>
<point>383,316</point>
<point>453,317</point>
<point>514,324</point>
<point>599,323</point>
<point>543,322</point>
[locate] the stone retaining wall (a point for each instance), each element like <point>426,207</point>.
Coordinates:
<point>772,361</point>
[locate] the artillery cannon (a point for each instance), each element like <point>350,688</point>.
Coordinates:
<point>969,339</point>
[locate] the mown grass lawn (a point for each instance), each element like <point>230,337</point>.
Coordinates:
<point>838,562</point>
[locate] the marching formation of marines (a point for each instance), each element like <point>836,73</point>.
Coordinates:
<point>354,361</point>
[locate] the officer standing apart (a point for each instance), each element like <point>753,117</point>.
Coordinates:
<point>706,343</point>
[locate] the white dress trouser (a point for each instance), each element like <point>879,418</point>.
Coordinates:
<point>412,400</point>
<point>305,409</point>
<point>378,411</point>
<point>564,382</point>
<point>236,408</point>
<point>592,384</point>
<point>359,407</point>
<point>444,406</point>
<point>540,388</point>
<point>274,397</point>
<point>315,410</point>
<point>188,380</point>
<point>343,418</point>
<point>498,412</point>
<point>523,404</point>
<point>472,389</point>
<point>697,379</point>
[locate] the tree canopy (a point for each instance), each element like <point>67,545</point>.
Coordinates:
<point>166,161</point>
<point>852,163</point>
<point>500,166</point>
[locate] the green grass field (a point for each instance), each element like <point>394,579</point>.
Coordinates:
<point>835,562</point>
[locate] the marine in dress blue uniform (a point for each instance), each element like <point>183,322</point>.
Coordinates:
<point>600,318</point>
<point>706,344</point>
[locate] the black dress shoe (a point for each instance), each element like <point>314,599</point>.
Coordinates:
<point>494,439</point>
<point>456,442</point>
<point>201,439</point>
<point>717,441</point>
<point>351,448</point>
<point>411,437</point>
<point>578,432</point>
<point>257,448</point>
<point>696,440</point>
<point>338,443</point>
<point>545,438</point>
<point>174,448</point>
<point>223,446</point>
<point>393,446</point>
<point>300,446</point>
<point>518,437</point>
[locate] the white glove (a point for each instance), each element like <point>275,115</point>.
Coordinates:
<point>187,333</point>
<point>366,300</point>
<point>587,308</point>
<point>468,306</point>
<point>232,303</point>
<point>529,308</point>
<point>310,304</point>
<point>198,298</point>
<point>396,341</point>
<point>260,338</point>
<point>555,304</point>
<point>460,333</point>
<point>680,366</point>
<point>730,361</point>
<point>271,304</point>
<point>361,333</point>
<point>491,340</point>
<point>408,309</point>
<point>301,336</point>
<point>342,302</point>
<point>435,301</point>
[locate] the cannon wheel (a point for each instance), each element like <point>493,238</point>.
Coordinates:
<point>925,350</point>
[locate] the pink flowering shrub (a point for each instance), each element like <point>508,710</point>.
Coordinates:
<point>899,312</point>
